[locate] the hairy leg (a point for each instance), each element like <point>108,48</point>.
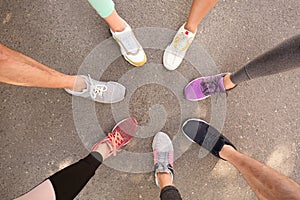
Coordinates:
<point>266,182</point>
<point>18,69</point>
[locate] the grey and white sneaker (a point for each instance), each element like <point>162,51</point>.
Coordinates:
<point>176,51</point>
<point>103,92</point>
<point>163,153</point>
<point>130,47</point>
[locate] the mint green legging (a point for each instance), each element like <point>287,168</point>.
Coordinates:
<point>103,7</point>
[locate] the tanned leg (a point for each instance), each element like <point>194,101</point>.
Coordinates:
<point>18,69</point>
<point>266,182</point>
<point>115,22</point>
<point>198,11</point>
<point>164,179</point>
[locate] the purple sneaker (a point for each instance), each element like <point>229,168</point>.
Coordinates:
<point>203,87</point>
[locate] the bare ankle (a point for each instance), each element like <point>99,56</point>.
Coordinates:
<point>115,22</point>
<point>118,27</point>
<point>104,150</point>
<point>164,179</point>
<point>226,151</point>
<point>191,28</point>
<point>228,83</point>
<point>79,84</point>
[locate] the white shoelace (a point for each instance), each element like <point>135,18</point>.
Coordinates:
<point>96,89</point>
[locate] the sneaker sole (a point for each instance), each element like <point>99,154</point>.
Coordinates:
<point>136,64</point>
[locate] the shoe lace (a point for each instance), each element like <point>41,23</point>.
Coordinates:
<point>182,42</point>
<point>96,89</point>
<point>211,86</point>
<point>116,140</point>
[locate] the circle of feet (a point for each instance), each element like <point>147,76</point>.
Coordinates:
<point>84,112</point>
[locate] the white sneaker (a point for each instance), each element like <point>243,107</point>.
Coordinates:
<point>103,92</point>
<point>176,51</point>
<point>130,47</point>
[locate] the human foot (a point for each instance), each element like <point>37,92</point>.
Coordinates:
<point>176,51</point>
<point>103,92</point>
<point>129,46</point>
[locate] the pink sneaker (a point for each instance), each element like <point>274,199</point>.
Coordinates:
<point>122,134</point>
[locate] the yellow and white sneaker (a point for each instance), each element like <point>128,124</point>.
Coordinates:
<point>176,51</point>
<point>130,47</point>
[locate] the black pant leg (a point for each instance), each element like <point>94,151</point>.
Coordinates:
<point>170,193</point>
<point>284,57</point>
<point>69,181</point>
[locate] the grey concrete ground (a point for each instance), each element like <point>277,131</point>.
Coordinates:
<point>37,132</point>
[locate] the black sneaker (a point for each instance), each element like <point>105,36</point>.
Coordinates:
<point>208,137</point>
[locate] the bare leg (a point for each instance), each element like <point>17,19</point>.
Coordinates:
<point>198,11</point>
<point>115,22</point>
<point>18,69</point>
<point>167,190</point>
<point>106,10</point>
<point>263,180</point>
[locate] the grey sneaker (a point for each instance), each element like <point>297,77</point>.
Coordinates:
<point>163,153</point>
<point>103,92</point>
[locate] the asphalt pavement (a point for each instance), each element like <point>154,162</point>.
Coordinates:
<point>38,135</point>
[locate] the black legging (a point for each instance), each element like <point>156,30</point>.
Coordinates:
<point>284,57</point>
<point>170,193</point>
<point>68,182</point>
